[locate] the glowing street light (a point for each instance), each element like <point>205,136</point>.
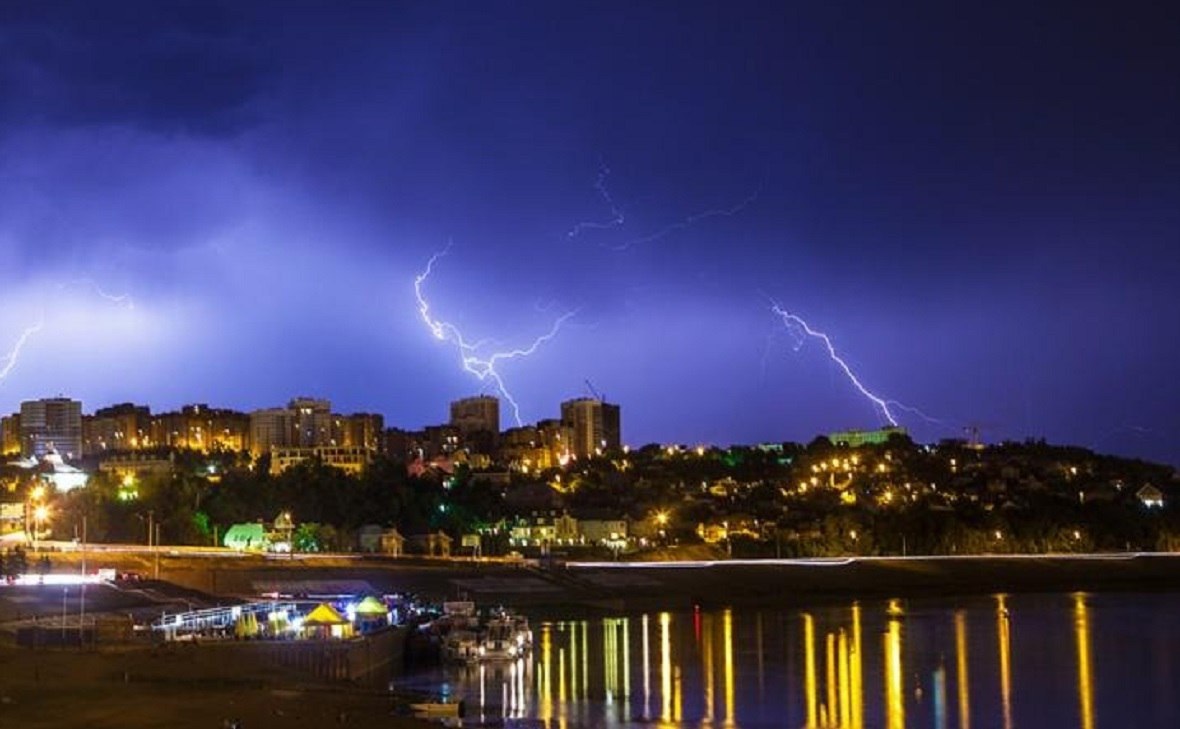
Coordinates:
<point>40,516</point>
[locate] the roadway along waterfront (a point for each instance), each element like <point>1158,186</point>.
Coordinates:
<point>623,585</point>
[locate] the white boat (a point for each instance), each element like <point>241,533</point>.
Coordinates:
<point>506,638</point>
<point>461,646</point>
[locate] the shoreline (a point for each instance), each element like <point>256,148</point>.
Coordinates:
<point>188,685</point>
<point>620,585</point>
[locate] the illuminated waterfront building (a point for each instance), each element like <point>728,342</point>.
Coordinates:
<point>51,424</point>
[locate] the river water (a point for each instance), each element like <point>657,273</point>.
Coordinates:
<point>1046,660</point>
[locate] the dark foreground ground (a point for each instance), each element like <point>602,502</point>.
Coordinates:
<point>179,686</point>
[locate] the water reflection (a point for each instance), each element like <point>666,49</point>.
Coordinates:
<point>1085,685</point>
<point>894,664</point>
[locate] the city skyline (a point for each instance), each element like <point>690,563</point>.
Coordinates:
<point>230,203</point>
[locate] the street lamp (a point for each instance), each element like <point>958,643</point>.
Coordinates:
<point>40,515</point>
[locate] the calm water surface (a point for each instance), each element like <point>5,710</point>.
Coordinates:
<point>1063,660</point>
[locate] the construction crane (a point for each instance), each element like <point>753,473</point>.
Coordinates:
<point>595,393</point>
<point>972,430</point>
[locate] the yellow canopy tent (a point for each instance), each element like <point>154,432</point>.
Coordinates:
<point>326,622</point>
<point>371,607</point>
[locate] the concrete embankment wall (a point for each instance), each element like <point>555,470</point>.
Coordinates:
<point>368,660</point>
<point>626,586</point>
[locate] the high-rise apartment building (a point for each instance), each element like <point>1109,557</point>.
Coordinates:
<point>51,424</point>
<point>595,425</point>
<point>360,430</point>
<point>123,427</point>
<point>270,428</point>
<point>478,420</point>
<point>10,435</point>
<point>311,419</point>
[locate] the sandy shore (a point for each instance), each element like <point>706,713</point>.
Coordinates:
<point>176,687</point>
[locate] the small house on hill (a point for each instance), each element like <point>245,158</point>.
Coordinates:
<point>247,538</point>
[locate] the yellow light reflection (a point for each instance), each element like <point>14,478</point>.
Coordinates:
<point>1081,623</point>
<point>646,669</point>
<point>961,677</point>
<point>727,636</point>
<point>545,675</point>
<point>894,699</point>
<point>710,679</point>
<point>627,658</point>
<point>665,667</point>
<point>845,692</point>
<point>1005,639</point>
<point>830,710</point>
<point>585,660</point>
<point>809,670</point>
<point>574,659</point>
<point>857,718</point>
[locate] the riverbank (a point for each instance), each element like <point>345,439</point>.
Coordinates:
<point>627,585</point>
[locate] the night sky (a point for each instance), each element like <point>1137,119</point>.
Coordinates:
<point>229,203</point>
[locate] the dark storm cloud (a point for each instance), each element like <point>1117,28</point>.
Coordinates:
<point>979,204</point>
<point>167,67</point>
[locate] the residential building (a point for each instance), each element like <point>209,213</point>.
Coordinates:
<point>857,438</point>
<point>360,430</point>
<point>556,440</point>
<point>270,428</point>
<point>352,460</point>
<point>10,435</point>
<point>51,424</point>
<point>478,420</point>
<point>595,424</point>
<point>311,419</point>
<point>201,428</point>
<point>122,427</point>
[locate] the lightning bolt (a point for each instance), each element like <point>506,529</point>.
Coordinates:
<point>690,221</point>
<point>483,366</point>
<point>617,218</point>
<point>121,299</point>
<point>13,355</point>
<point>616,214</point>
<point>800,329</point>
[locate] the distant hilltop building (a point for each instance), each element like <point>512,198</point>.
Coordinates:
<point>594,425</point>
<point>51,424</point>
<point>310,423</point>
<point>478,421</point>
<point>856,438</point>
<point>129,439</point>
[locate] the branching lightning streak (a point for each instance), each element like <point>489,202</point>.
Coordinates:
<point>124,299</point>
<point>482,366</point>
<point>14,355</point>
<point>616,214</point>
<point>799,328</point>
<point>689,222</point>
